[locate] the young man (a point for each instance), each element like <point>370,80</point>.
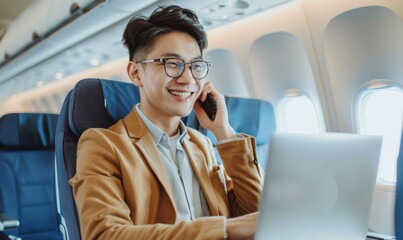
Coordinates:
<point>150,177</point>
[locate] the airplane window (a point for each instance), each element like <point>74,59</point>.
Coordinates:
<point>298,115</point>
<point>380,113</point>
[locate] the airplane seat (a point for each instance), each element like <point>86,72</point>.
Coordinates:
<point>254,117</point>
<point>101,103</point>
<point>92,103</point>
<point>399,195</point>
<point>27,180</point>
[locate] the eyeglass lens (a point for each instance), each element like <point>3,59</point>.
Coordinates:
<point>175,68</point>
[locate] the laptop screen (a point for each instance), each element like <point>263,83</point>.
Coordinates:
<point>318,186</point>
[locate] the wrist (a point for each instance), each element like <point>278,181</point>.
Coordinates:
<point>223,133</point>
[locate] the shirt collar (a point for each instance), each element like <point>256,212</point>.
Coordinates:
<point>156,132</point>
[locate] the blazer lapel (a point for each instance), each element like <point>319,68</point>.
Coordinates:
<point>196,159</point>
<point>136,129</point>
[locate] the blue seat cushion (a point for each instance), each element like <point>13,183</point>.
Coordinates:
<point>27,176</point>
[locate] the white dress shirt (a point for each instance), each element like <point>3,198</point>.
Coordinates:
<point>188,197</point>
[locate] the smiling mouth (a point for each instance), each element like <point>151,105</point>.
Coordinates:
<point>180,94</point>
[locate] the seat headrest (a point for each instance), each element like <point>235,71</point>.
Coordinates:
<point>254,117</point>
<point>97,103</point>
<point>251,116</point>
<point>119,98</point>
<point>28,131</point>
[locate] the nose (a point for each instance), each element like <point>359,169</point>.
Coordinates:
<point>186,76</point>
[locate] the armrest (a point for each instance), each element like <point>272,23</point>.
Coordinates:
<point>6,222</point>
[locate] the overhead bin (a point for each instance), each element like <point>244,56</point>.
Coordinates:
<point>61,10</point>
<point>19,33</point>
<point>90,22</point>
<point>35,22</point>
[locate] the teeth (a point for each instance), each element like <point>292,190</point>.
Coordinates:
<point>181,94</point>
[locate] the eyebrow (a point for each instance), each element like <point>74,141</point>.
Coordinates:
<point>175,55</point>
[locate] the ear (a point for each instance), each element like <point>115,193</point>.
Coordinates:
<point>134,73</point>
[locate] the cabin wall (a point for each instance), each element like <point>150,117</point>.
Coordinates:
<point>327,50</point>
<point>287,23</point>
<point>307,22</point>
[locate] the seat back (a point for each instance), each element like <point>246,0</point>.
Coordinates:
<point>27,180</point>
<point>254,117</point>
<point>399,195</point>
<point>92,103</point>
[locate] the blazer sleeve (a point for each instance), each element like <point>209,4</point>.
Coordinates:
<point>100,199</point>
<point>244,175</point>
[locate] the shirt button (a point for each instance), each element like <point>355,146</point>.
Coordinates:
<point>255,162</point>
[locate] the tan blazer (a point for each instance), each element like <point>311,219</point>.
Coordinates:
<point>122,191</point>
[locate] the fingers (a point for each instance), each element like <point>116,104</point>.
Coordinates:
<point>208,88</point>
<point>197,107</point>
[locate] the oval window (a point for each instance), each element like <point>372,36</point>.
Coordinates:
<point>380,113</point>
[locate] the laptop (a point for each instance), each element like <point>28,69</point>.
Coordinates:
<point>318,187</point>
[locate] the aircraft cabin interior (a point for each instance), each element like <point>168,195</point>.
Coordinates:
<point>318,81</point>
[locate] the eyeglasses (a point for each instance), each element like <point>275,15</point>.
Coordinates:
<point>174,67</point>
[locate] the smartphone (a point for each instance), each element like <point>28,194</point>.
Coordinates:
<point>209,106</point>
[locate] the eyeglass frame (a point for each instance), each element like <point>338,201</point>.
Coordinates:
<point>164,60</point>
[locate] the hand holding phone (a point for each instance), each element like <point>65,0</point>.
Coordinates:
<point>209,106</point>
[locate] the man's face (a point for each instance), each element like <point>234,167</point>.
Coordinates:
<point>163,96</point>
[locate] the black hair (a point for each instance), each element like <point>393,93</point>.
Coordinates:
<point>141,32</point>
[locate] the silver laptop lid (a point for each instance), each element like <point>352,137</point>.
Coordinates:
<point>318,187</point>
